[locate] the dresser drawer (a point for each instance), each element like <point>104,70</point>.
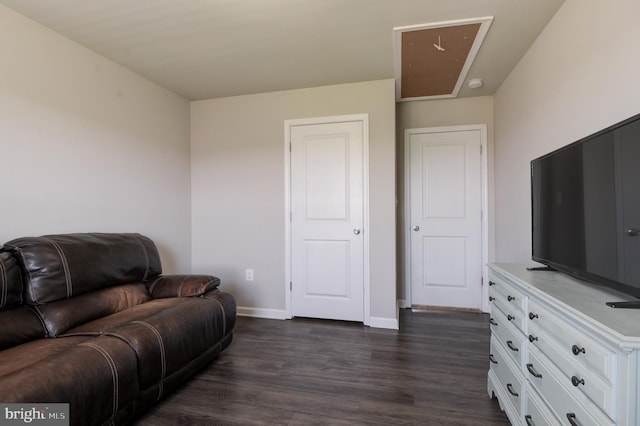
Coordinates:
<point>517,318</point>
<point>564,401</point>
<point>511,300</point>
<point>509,377</point>
<point>536,412</point>
<point>511,339</point>
<point>579,348</point>
<point>576,374</point>
<point>508,293</point>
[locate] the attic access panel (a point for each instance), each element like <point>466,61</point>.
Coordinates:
<point>433,60</point>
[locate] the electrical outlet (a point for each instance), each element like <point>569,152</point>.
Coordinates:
<point>248,274</point>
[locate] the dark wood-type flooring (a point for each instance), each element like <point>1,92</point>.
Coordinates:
<point>433,371</point>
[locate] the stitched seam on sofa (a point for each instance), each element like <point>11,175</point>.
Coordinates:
<point>33,296</point>
<point>146,257</point>
<point>106,333</point>
<point>163,359</point>
<point>4,283</point>
<point>153,284</point>
<point>224,316</point>
<point>121,337</point>
<point>215,350</point>
<point>65,267</point>
<point>40,317</point>
<point>114,372</point>
<point>83,333</point>
<point>133,348</point>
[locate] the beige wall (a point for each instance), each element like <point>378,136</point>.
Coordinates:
<point>437,113</point>
<point>580,76</point>
<point>238,186</point>
<point>86,145</point>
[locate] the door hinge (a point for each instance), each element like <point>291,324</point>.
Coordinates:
<point>290,285</point>
<point>480,149</point>
<point>289,146</point>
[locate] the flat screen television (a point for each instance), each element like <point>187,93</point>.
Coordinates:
<point>586,209</point>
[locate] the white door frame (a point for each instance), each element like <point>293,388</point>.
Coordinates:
<point>288,124</point>
<point>485,205</point>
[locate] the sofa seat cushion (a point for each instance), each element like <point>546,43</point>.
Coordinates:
<point>166,334</point>
<point>64,314</point>
<point>19,325</point>
<point>97,376</point>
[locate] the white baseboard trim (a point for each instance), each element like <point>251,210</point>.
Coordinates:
<point>389,323</point>
<point>261,313</point>
<point>243,311</point>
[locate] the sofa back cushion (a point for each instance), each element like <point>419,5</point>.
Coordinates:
<point>60,316</point>
<point>62,266</point>
<point>10,282</point>
<point>19,325</point>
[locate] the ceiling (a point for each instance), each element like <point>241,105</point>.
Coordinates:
<point>204,49</point>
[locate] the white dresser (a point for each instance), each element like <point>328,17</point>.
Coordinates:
<point>559,355</point>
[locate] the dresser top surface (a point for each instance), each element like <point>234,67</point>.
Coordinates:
<point>579,298</point>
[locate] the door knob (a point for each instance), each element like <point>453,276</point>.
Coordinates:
<point>633,232</point>
<point>415,227</point>
<point>356,231</point>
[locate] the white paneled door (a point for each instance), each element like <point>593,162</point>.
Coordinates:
<point>445,218</point>
<point>327,202</point>
<point>327,220</point>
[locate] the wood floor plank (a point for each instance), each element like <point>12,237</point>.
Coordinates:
<point>433,371</point>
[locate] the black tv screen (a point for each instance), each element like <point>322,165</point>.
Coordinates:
<point>586,208</point>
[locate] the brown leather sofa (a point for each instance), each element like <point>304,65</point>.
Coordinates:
<point>88,319</point>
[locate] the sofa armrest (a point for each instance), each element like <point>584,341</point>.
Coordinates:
<point>182,285</point>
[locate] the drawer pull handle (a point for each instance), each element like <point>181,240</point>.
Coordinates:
<point>510,389</point>
<point>513,348</point>
<point>532,338</point>
<point>572,419</point>
<point>492,359</point>
<point>491,283</point>
<point>529,420</point>
<point>492,321</point>
<point>577,350</point>
<point>576,382</point>
<point>510,317</point>
<point>533,371</point>
<point>510,298</point>
<point>532,316</point>
<point>491,298</point>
